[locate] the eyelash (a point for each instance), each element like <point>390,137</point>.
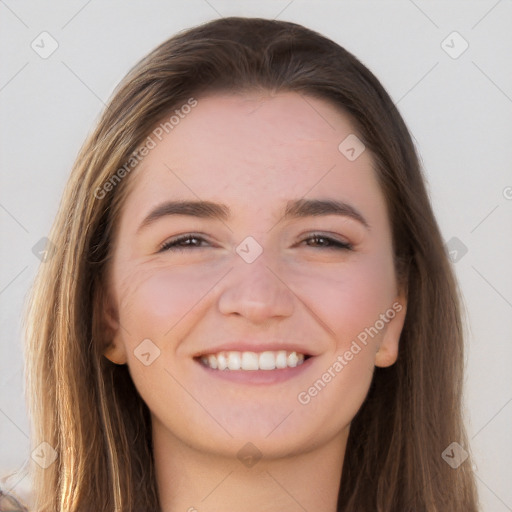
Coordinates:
<point>172,245</point>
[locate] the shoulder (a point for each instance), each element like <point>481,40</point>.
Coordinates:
<point>15,492</point>
<point>9,502</point>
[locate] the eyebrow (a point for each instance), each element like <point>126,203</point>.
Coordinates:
<point>298,208</point>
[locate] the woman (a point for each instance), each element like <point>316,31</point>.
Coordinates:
<point>247,305</point>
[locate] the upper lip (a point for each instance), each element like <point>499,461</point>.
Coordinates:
<point>246,346</point>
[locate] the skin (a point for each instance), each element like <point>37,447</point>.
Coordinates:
<point>252,152</point>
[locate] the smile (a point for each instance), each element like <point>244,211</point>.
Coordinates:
<point>252,361</point>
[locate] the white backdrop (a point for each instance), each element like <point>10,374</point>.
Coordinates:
<point>456,101</point>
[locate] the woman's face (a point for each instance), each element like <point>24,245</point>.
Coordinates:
<point>266,277</point>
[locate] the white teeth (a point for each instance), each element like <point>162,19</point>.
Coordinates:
<point>222,363</point>
<point>293,359</point>
<point>234,360</point>
<point>268,360</point>
<point>249,361</point>
<point>281,359</point>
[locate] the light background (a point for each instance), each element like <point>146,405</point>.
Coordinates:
<point>459,111</point>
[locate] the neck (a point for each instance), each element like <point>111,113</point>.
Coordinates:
<point>191,480</point>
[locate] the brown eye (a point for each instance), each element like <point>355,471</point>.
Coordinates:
<point>182,242</point>
<point>328,242</point>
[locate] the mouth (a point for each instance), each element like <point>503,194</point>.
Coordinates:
<point>252,361</point>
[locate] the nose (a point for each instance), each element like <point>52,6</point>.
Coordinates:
<point>256,291</point>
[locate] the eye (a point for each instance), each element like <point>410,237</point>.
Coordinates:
<point>191,241</point>
<point>328,242</point>
<point>182,242</point>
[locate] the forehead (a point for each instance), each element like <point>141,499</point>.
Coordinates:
<point>253,149</point>
<point>266,127</point>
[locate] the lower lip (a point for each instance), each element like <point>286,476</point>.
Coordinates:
<point>258,376</point>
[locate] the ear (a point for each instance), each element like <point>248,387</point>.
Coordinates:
<point>387,352</point>
<point>108,328</point>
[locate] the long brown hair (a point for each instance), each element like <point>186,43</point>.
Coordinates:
<point>88,409</point>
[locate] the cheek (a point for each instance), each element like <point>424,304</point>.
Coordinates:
<point>351,305</point>
<point>153,300</point>
<point>349,300</point>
